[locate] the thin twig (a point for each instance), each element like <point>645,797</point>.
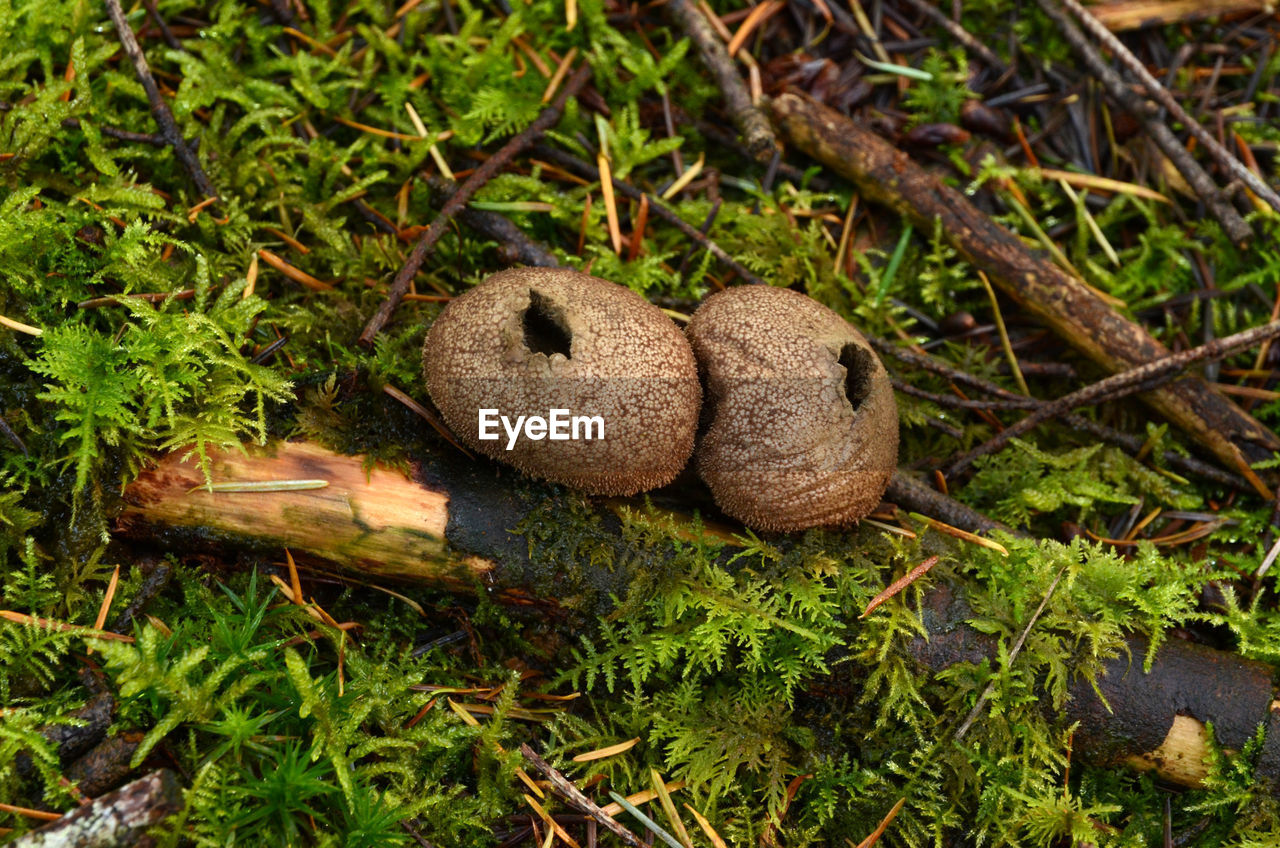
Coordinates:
<point>911,494</point>
<point>514,247</point>
<point>574,795</point>
<point>546,119</point>
<point>1224,157</point>
<point>960,34</point>
<point>1142,378</point>
<point>962,403</point>
<point>656,207</point>
<point>750,121</point>
<point>1201,183</point>
<point>159,109</point>
<point>1013,654</point>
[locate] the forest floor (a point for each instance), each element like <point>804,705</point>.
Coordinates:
<point>228,224</point>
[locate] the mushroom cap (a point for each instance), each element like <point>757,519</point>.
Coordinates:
<point>529,340</point>
<point>803,425</point>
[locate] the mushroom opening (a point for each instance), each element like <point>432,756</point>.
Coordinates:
<point>544,329</point>
<point>859,365</point>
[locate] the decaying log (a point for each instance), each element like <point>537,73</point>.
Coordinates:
<point>449,524</point>
<point>1076,313</point>
<point>118,819</point>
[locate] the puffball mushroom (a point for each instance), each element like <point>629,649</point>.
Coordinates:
<point>528,341</point>
<point>803,427</point>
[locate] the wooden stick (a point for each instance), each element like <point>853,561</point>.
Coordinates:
<point>1118,386</point>
<point>1120,15</point>
<point>449,524</point>
<point>120,818</point>
<point>1061,301</point>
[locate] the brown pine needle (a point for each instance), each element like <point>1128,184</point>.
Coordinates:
<point>469,719</point>
<point>288,239</point>
<point>962,534</point>
<point>250,278</point>
<point>716,840</point>
<point>901,583</point>
<point>669,807</point>
<point>356,125</point>
<point>883,826</point>
<point>637,234</point>
<point>602,753</point>
<point>50,624</point>
<point>610,203</point>
<point>1095,183</point>
<point>20,327</point>
<point>295,274</point>
<point>562,70</point>
<point>101,621</point>
<point>426,415</point>
<point>295,583</point>
<point>551,823</point>
<point>1004,336</point>
<point>42,815</point>
<point>641,798</point>
<point>758,16</point>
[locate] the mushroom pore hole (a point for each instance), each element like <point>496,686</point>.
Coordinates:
<point>858,366</point>
<point>544,329</point>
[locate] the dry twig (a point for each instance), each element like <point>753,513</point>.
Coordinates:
<point>1063,302</point>
<point>1143,378</point>
<point>754,126</point>
<point>159,109</point>
<point>546,119</point>
<point>574,795</point>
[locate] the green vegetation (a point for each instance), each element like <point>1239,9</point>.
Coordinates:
<point>745,671</point>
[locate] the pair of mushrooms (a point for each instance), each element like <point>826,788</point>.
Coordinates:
<point>799,428</point>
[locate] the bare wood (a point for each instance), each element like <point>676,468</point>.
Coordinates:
<point>1063,302</point>
<point>1121,15</point>
<point>378,522</point>
<point>120,818</point>
<point>450,526</point>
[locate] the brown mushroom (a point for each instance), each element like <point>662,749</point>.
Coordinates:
<point>529,342</point>
<point>803,427</point>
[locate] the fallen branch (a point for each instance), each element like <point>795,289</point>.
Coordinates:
<point>121,818</point>
<point>1151,721</point>
<point>514,247</point>
<point>546,119</point>
<point>1063,302</point>
<point>449,525</point>
<point>159,109</point>
<point>574,796</point>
